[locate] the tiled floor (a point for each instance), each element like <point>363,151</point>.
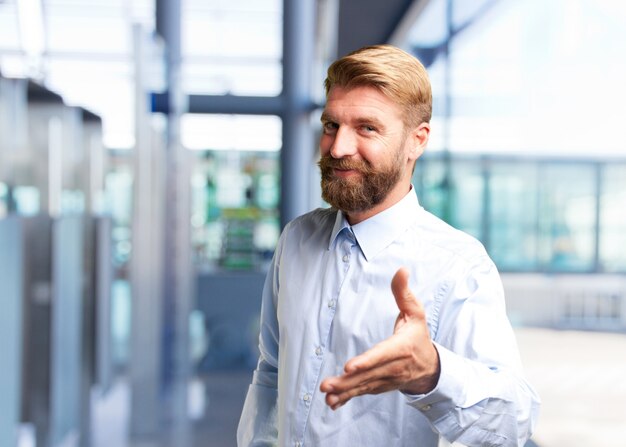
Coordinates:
<point>223,397</point>
<point>225,393</point>
<point>581,379</point>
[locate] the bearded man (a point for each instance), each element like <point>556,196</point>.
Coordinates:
<point>381,325</point>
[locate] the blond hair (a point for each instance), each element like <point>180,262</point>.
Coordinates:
<point>394,72</point>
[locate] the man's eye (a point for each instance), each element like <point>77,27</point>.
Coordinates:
<point>369,128</point>
<point>330,127</point>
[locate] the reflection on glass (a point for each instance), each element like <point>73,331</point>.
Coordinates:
<point>27,200</point>
<point>234,219</point>
<point>217,56</point>
<point>119,184</point>
<point>231,132</point>
<point>613,219</point>
<point>513,215</point>
<point>431,183</point>
<point>567,205</point>
<point>452,190</point>
<point>539,215</point>
<point>466,197</point>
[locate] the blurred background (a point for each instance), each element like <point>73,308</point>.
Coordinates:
<point>152,150</point>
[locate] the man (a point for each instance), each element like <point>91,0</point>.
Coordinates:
<point>381,325</point>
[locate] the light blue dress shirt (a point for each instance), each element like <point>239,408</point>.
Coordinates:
<point>327,298</point>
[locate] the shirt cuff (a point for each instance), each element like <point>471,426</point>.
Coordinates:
<point>449,391</point>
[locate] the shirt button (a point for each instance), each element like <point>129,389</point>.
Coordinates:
<point>298,444</point>
<point>426,407</point>
<point>346,258</point>
<point>332,304</point>
<point>318,351</point>
<point>306,397</point>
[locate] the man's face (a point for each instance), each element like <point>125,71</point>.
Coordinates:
<point>364,162</point>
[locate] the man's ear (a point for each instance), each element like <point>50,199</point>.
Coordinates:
<point>419,140</point>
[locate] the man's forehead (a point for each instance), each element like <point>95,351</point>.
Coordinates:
<point>362,102</point>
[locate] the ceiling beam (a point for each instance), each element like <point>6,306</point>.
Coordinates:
<point>369,22</point>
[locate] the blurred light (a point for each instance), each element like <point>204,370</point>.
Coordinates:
<point>30,16</point>
<point>231,132</point>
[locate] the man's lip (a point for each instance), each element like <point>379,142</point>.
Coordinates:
<point>344,172</point>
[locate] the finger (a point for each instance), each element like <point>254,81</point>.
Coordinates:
<point>380,354</point>
<point>375,386</point>
<point>406,301</point>
<point>346,384</point>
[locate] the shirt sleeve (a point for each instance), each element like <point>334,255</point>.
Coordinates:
<point>258,425</point>
<point>482,398</point>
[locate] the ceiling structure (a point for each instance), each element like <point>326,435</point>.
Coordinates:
<point>369,22</point>
<point>103,53</point>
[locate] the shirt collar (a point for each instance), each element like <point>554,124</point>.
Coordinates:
<point>377,232</point>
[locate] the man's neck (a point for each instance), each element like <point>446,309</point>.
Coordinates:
<point>392,198</point>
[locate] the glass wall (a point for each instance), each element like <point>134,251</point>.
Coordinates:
<point>612,234</point>
<point>525,77</point>
<point>235,189</point>
<point>235,222</point>
<point>118,197</point>
<point>218,57</point>
<point>532,214</point>
<point>526,143</point>
<point>567,217</point>
<point>512,214</point>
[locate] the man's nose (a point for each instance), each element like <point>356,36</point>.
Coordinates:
<point>344,143</point>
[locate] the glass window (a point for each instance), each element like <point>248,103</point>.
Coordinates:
<point>452,190</point>
<point>235,189</point>
<point>88,57</point>
<point>217,56</point>
<point>515,71</point>
<point>613,219</point>
<point>235,197</point>
<point>9,31</point>
<point>27,200</point>
<point>467,185</point>
<point>236,132</point>
<point>567,213</point>
<point>119,198</point>
<point>242,77</point>
<point>430,180</point>
<point>513,189</point>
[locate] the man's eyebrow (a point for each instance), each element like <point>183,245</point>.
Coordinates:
<point>326,117</point>
<point>370,120</point>
<point>366,119</point>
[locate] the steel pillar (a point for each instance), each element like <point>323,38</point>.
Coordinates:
<point>298,59</point>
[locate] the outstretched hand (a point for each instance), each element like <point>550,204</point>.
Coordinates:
<point>407,361</point>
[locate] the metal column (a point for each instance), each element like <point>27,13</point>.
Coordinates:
<point>177,267</point>
<point>298,135</point>
<point>11,346</point>
<point>146,262</point>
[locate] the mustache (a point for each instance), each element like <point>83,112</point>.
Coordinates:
<point>328,163</point>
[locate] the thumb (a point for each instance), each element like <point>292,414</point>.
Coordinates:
<point>406,301</point>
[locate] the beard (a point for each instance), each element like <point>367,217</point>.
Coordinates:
<point>360,192</point>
